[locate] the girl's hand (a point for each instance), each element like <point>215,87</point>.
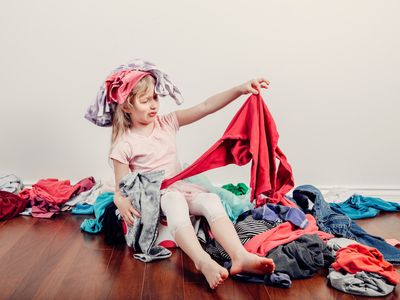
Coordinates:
<point>126,210</point>
<point>254,86</point>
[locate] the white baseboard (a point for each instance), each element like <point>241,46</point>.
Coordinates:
<point>341,193</point>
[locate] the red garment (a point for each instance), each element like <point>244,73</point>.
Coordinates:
<point>85,184</point>
<point>251,135</point>
<point>286,232</point>
<point>356,257</point>
<point>55,191</point>
<point>10,205</point>
<point>47,195</point>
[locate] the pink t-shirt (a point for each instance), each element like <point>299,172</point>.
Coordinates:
<point>153,153</point>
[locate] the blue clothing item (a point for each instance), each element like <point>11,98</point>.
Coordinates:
<point>359,207</point>
<point>96,225</point>
<point>83,209</point>
<point>332,220</point>
<point>274,212</point>
<point>277,279</point>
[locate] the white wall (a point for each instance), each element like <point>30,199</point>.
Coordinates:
<point>333,66</point>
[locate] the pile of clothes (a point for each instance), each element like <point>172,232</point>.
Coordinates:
<point>301,232</point>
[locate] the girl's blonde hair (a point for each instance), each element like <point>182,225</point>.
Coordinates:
<point>122,120</point>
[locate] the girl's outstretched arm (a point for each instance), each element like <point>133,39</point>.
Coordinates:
<point>218,101</point>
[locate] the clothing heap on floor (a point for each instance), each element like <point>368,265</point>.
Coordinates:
<point>302,233</point>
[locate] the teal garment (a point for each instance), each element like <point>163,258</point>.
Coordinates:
<point>360,207</point>
<point>234,205</point>
<point>238,190</point>
<point>96,225</point>
<point>83,209</point>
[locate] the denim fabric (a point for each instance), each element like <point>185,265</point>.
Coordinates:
<point>332,220</point>
<point>143,190</point>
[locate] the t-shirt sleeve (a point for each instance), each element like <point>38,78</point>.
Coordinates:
<point>170,120</point>
<point>121,152</point>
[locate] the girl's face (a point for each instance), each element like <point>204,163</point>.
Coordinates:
<point>145,107</point>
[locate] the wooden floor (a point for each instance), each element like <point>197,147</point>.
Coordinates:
<point>48,259</point>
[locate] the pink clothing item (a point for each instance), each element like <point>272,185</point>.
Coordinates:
<point>262,243</point>
<point>250,136</point>
<point>47,195</point>
<point>356,257</point>
<point>155,153</point>
<point>118,85</point>
<point>54,191</point>
<point>40,207</point>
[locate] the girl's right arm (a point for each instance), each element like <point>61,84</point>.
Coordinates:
<point>123,204</point>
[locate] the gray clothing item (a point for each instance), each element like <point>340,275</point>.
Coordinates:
<point>144,192</point>
<point>88,197</point>
<point>301,258</point>
<point>360,283</point>
<point>11,184</point>
<point>100,113</point>
<point>337,243</point>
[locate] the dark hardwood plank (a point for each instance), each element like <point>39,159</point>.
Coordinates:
<point>164,279</point>
<point>20,260</point>
<point>87,277</point>
<point>12,230</point>
<point>127,274</point>
<point>52,258</point>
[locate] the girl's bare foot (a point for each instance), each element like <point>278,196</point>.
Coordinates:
<point>246,262</point>
<point>214,273</point>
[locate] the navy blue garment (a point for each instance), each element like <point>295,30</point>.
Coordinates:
<point>274,212</point>
<point>332,220</point>
<point>277,279</point>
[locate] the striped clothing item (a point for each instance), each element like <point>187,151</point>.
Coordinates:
<point>246,229</point>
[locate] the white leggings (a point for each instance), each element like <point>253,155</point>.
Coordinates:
<point>176,208</point>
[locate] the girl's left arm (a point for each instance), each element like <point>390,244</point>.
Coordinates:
<point>218,101</point>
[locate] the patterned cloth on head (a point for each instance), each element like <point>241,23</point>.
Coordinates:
<point>100,113</point>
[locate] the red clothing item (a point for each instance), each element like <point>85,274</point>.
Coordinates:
<point>10,205</point>
<point>85,184</point>
<point>47,195</point>
<point>356,257</point>
<point>262,243</point>
<point>56,191</point>
<point>251,135</point>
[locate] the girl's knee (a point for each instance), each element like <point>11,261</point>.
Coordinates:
<point>209,205</point>
<point>175,208</point>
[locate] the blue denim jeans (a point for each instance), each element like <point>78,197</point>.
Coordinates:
<point>332,220</point>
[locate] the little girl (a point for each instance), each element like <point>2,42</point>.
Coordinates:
<point>143,141</point>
